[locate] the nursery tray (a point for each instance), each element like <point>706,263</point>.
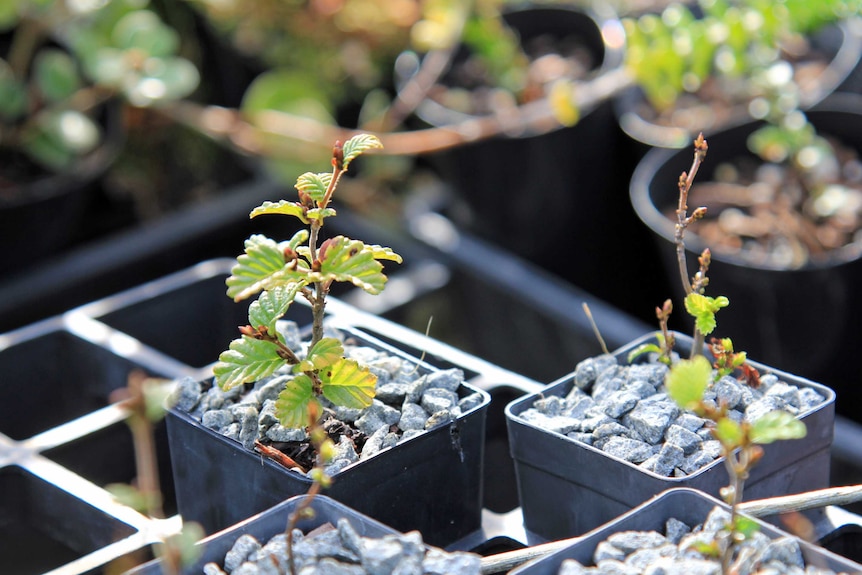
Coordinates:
<point>57,469</point>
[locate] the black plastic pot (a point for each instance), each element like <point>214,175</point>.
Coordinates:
<point>687,505</point>
<point>219,483</point>
<point>801,319</point>
<point>841,43</point>
<point>597,486</point>
<point>270,523</point>
<point>547,196</point>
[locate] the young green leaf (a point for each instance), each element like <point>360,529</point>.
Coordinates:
<point>314,185</point>
<point>348,384</point>
<point>346,260</point>
<point>357,145</point>
<point>687,381</point>
<point>703,309</point>
<point>326,352</point>
<point>292,405</point>
<point>642,349</point>
<point>281,207</point>
<point>247,360</point>
<point>262,259</point>
<point>319,214</point>
<point>776,425</point>
<point>272,304</point>
<point>746,526</point>
<point>729,432</point>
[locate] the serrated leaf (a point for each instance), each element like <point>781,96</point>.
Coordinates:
<point>776,425</point>
<point>325,352</point>
<point>687,381</point>
<point>315,185</point>
<point>357,145</point>
<point>320,214</point>
<point>247,360</point>
<point>292,405</point>
<point>383,253</point>
<point>262,259</point>
<point>281,207</point>
<point>271,305</point>
<point>348,384</point>
<point>729,432</point>
<point>703,309</point>
<point>346,260</point>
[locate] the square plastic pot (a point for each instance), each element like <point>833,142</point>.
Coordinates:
<point>42,526</point>
<point>687,505</point>
<point>270,523</point>
<point>552,468</point>
<point>431,482</point>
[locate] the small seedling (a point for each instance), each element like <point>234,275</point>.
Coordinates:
<point>281,271</point>
<point>144,399</point>
<point>688,380</point>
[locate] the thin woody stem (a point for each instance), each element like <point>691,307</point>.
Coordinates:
<point>683,220</point>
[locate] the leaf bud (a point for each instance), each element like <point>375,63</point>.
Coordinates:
<point>247,330</point>
<point>338,155</point>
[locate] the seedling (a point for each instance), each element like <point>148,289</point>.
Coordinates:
<point>281,271</point>
<point>688,380</point>
<point>144,399</point>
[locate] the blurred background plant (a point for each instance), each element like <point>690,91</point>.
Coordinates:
<point>63,62</point>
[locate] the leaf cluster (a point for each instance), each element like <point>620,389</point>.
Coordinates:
<point>280,272</point>
<point>65,58</point>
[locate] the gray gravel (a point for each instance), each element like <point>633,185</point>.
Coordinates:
<point>341,550</point>
<point>672,553</point>
<point>408,401</point>
<point>624,411</point>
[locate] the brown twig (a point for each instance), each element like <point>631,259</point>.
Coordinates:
<point>278,456</point>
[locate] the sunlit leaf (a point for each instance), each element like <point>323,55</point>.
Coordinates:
<point>746,526</point>
<point>687,381</point>
<point>777,425</point>
<point>292,405</point>
<point>347,383</point>
<point>357,145</point>
<point>247,360</point>
<point>325,352</point>
<point>315,185</point>
<point>272,305</point>
<point>261,261</point>
<point>703,309</point>
<point>642,349</point>
<point>280,207</point>
<point>729,432</point>
<point>346,260</point>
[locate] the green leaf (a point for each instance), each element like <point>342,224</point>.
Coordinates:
<point>325,352</point>
<point>746,526</point>
<point>357,145</point>
<point>383,253</point>
<point>144,31</point>
<point>642,349</point>
<point>687,381</point>
<point>263,258</point>
<point>56,74</point>
<point>315,185</point>
<point>776,425</point>
<point>347,383</point>
<point>292,405</point>
<point>247,360</point>
<point>299,237</point>
<point>320,214</point>
<point>346,260</point>
<point>13,94</point>
<point>729,432</point>
<point>280,207</point>
<point>703,309</point>
<point>272,304</point>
